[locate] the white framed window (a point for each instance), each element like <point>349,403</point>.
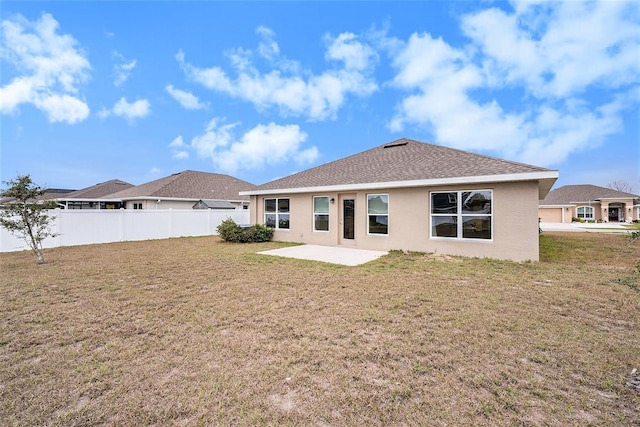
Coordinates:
<point>320,213</point>
<point>585,212</point>
<point>276,213</point>
<point>462,214</point>
<point>378,213</point>
<point>137,206</point>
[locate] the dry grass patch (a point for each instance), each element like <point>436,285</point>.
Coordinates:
<point>200,332</point>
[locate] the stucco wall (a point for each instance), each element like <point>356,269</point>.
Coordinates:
<point>515,222</point>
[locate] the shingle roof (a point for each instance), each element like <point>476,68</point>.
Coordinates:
<point>99,190</point>
<point>400,160</point>
<point>570,194</point>
<point>189,185</point>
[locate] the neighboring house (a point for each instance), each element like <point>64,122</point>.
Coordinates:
<point>412,196</point>
<point>183,190</point>
<point>214,204</point>
<point>588,202</point>
<point>91,197</point>
<point>49,194</point>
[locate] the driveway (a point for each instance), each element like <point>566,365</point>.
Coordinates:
<point>584,227</point>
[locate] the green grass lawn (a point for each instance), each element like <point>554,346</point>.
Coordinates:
<point>196,331</point>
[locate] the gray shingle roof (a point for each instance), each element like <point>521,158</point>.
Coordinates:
<point>400,160</point>
<point>189,185</point>
<point>570,194</point>
<point>99,190</point>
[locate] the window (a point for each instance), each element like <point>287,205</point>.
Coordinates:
<point>462,214</point>
<point>585,212</point>
<point>378,213</point>
<point>320,213</point>
<point>276,213</point>
<point>137,206</point>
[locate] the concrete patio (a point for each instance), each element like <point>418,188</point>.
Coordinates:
<point>330,254</point>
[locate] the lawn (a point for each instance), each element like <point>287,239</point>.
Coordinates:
<point>195,331</point>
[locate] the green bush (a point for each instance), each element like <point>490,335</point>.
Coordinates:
<point>229,231</point>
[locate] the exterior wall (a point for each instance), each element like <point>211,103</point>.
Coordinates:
<point>164,204</point>
<point>515,222</point>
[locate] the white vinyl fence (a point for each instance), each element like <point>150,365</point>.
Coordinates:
<point>83,227</point>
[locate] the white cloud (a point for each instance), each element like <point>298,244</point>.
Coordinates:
<point>184,98</point>
<point>128,110</point>
<point>50,69</point>
<point>123,70</point>
<point>285,86</point>
<point>263,145</point>
<point>578,45</point>
<point>268,48</point>
<point>535,56</point>
<point>179,148</point>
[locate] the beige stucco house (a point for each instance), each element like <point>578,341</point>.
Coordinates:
<point>412,196</point>
<point>589,203</point>
<point>184,190</point>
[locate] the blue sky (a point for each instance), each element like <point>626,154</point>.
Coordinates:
<point>93,91</point>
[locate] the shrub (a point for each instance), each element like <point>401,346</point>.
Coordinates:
<point>574,219</point>
<point>229,231</point>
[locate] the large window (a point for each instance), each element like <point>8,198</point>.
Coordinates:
<point>462,214</point>
<point>321,213</point>
<point>276,213</point>
<point>585,212</point>
<point>378,213</point>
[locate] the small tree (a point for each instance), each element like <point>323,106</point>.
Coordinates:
<point>24,215</point>
<point>623,186</point>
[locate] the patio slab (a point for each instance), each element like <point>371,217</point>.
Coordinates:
<point>330,254</point>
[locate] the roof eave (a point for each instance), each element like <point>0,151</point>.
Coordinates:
<point>546,179</point>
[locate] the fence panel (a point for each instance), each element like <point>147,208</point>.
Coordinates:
<point>83,227</point>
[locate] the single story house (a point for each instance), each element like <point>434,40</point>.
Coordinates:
<point>590,203</point>
<point>91,197</point>
<point>183,190</point>
<point>214,204</point>
<point>412,196</point>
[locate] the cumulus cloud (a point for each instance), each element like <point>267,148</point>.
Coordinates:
<point>128,110</point>
<point>285,86</point>
<point>122,71</point>
<point>49,69</point>
<point>184,98</point>
<point>264,145</point>
<point>579,44</point>
<point>549,59</point>
<point>179,148</point>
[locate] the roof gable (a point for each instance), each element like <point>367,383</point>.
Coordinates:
<point>188,185</point>
<point>403,160</point>
<point>570,194</point>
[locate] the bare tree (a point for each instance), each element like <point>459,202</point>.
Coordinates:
<point>24,215</point>
<point>623,186</point>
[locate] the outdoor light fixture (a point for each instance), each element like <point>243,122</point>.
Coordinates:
<point>332,200</point>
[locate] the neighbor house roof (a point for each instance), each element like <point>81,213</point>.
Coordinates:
<point>188,185</point>
<point>49,194</point>
<point>571,194</point>
<point>99,190</point>
<point>406,162</point>
<point>213,204</point>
